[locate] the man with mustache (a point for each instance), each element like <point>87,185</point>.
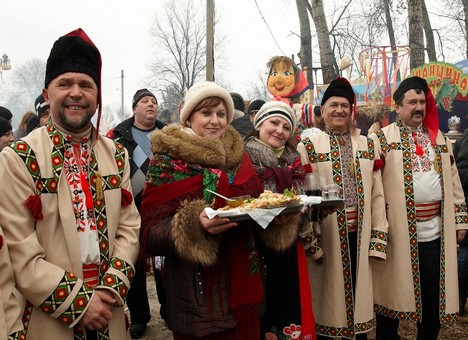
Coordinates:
<point>341,243</point>
<point>427,216</point>
<point>67,212</point>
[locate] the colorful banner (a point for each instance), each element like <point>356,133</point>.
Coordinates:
<point>440,70</point>
<point>445,80</point>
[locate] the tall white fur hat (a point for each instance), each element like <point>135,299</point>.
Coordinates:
<point>201,91</point>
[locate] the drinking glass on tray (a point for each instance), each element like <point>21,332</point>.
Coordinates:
<point>312,184</point>
<point>312,188</point>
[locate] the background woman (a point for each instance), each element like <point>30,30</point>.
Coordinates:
<point>21,130</point>
<point>213,272</point>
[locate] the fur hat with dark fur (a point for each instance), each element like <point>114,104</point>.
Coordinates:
<point>74,52</point>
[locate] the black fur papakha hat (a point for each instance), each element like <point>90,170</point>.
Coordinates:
<point>339,87</point>
<point>75,52</point>
<point>410,83</point>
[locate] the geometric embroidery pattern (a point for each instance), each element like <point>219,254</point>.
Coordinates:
<point>61,293</point>
<point>19,335</point>
<point>378,240</point>
<point>100,216</point>
<point>78,333</point>
<point>109,183</point>
<point>311,243</point>
<point>334,157</point>
<point>460,214</point>
<point>28,308</point>
<point>438,149</point>
<point>57,151</point>
<point>406,149</point>
<point>113,281</point>
<point>24,151</point>
<point>49,185</point>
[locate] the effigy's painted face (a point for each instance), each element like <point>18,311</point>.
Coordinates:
<point>281,79</point>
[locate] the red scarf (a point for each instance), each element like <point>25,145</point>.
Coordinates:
<point>246,294</point>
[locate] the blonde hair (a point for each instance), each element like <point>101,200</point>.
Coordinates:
<point>24,120</point>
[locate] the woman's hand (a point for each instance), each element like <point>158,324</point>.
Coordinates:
<point>215,225</point>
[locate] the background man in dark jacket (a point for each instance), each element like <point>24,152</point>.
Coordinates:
<point>244,124</point>
<point>134,134</point>
<point>460,151</point>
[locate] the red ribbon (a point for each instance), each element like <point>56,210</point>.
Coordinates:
<point>85,186</point>
<point>419,149</point>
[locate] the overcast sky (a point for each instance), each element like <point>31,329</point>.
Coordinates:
<point>121,31</point>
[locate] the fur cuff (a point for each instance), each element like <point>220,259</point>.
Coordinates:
<point>190,240</point>
<point>281,236</point>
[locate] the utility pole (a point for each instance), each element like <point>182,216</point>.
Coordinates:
<point>122,94</point>
<point>209,40</point>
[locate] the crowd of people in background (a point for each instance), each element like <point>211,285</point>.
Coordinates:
<point>85,216</point>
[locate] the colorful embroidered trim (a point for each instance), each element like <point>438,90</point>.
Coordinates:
<point>113,281</point>
<point>61,293</point>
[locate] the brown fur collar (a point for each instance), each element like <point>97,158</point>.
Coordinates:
<point>265,156</point>
<point>223,153</point>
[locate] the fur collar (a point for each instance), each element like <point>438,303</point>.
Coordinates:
<point>264,156</point>
<point>223,153</point>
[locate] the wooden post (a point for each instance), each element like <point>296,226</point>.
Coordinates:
<point>209,40</point>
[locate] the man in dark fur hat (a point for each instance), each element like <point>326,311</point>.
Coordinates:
<point>427,215</point>
<point>342,245</point>
<point>71,224</point>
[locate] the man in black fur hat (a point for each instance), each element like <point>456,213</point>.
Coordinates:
<point>71,222</point>
<point>427,214</point>
<point>340,274</point>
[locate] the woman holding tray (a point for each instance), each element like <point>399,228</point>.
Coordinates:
<point>278,165</point>
<point>214,272</point>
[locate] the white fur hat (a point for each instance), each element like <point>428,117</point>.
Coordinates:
<point>201,91</point>
<point>275,108</point>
